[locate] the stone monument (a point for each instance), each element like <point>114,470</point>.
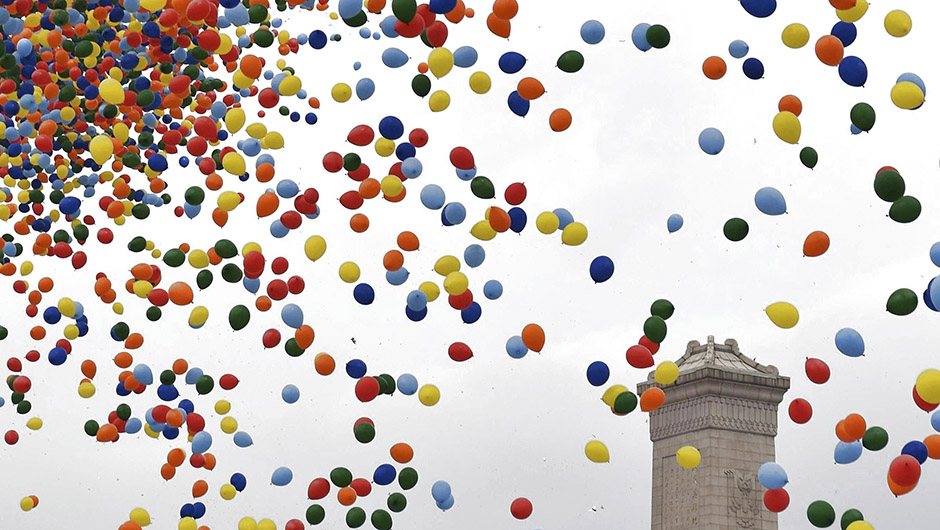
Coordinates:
<point>725,405</point>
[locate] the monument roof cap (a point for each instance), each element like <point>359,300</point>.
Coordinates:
<point>725,357</point>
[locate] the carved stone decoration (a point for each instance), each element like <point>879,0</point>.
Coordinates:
<point>744,501</point>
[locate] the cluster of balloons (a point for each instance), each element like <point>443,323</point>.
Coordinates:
<point>890,187</point>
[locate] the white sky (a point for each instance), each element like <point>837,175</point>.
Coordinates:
<point>506,428</point>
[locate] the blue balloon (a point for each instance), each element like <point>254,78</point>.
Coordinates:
<point>511,62</point>
<point>68,205</point>
<point>278,229</point>
<point>935,253</point>
<point>202,441</point>
<point>517,104</point>
<point>454,213</point>
<point>133,426</point>
<point>238,481</point>
<point>854,130</point>
<point>517,219</point>
<point>598,373</point>
<point>364,294</point>
<point>242,439</point>
<point>912,78</point>
<point>592,32</point>
<point>290,394</point>
<point>928,300</point>
<point>759,8</point>
<point>411,167</point>
<point>917,449</point>
<point>416,316</point>
<point>292,315</point>
<point>251,284</point>
<point>170,433</point>
<point>738,49</point>
<point>417,300</point>
<point>446,504</point>
<point>471,314</point>
<point>845,32</point>
<point>847,452</point>
<point>397,277</point>
<point>187,406</point>
<point>440,491</point>
<point>193,375</point>
<point>564,217</point>
<point>674,223</point>
<point>1,402</point>
<point>639,37</point>
<point>474,255</point>
<point>432,197</point>
<point>850,342</point>
<point>753,68</point>
<point>853,71</point>
<point>394,58</point>
<point>58,356</point>
<point>384,475</point>
<point>602,268</point>
<point>349,8</point>
<point>465,57</point>
<point>407,384</point>
<point>492,289</point>
<point>711,141</point>
<point>770,201</point>
<point>282,476</point>
<point>187,510</point>
<point>516,348</point>
<point>388,26</point>
<point>935,420</point>
<point>442,7</point>
<point>365,87</point>
<point>143,374</point>
<point>934,288</point>
<point>355,368</point>
<point>466,174</point>
<point>772,476</point>
<point>287,189</point>
<point>51,315</point>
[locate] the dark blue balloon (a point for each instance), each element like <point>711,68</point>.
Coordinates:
<point>317,39</point>
<point>928,300</point>
<point>517,219</point>
<point>416,316</point>
<point>69,205</point>
<point>58,356</point>
<point>199,509</point>
<point>364,294</point>
<point>356,368</point>
<point>391,127</point>
<point>602,268</point>
<point>170,433</point>
<point>511,62</point>
<point>598,373</point>
<point>186,405</point>
<point>845,32</point>
<point>471,314</point>
<point>384,474</point>
<point>51,315</point>
<point>442,7</point>
<point>239,481</point>
<point>853,71</point>
<point>759,8</point>
<point>753,68</point>
<point>518,105</point>
<point>167,392</point>
<point>917,449</point>
<point>187,510</point>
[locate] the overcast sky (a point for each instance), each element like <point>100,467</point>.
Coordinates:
<point>506,428</point>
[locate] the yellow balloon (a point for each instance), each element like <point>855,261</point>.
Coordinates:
<point>66,306</point>
<point>610,395</point>
<point>140,516</point>
<point>456,283</point>
<point>928,385</point>
<point>266,524</point>
<point>227,492</point>
<point>666,373</point>
<point>431,290</point>
<point>315,247</point>
<point>547,222</point>
<point>483,231</point>
<point>341,92</point>
<point>188,523</point>
<point>384,147</point>
<point>783,314</point>
<point>198,316</point>
<point>480,82</point>
<point>111,91</point>
<point>34,424</point>
<point>439,101</point>
<point>71,332</point>
<point>118,308</point>
<point>152,5</point>
<point>860,525</point>
<point>228,200</point>
<point>290,85</point>
<point>228,425</point>
<point>907,95</point>
<point>597,452</point>
<point>853,14</point>
<point>688,457</point>
<point>795,35</point>
<point>247,523</point>
<point>440,62</point>
<point>234,163</point>
<point>787,127</point>
<point>429,395</point>
<point>898,23</point>
<point>101,148</point>
<point>26,504</point>
<point>198,259</point>
<point>222,407</point>
<point>349,272</point>
<point>574,234</point>
<point>150,432</point>
<point>248,248</point>
<point>273,140</point>
<point>392,186</point>
<point>446,265</point>
<point>234,120</point>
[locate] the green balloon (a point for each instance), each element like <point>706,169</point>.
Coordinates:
<point>905,210</point>
<point>80,232</point>
<point>315,514</point>
<point>381,520</point>
<point>821,514</point>
<point>383,385</point>
<point>120,331</point>
<point>137,244</point>
<point>386,384</point>
<point>341,477</point>
<point>889,185</point>
<point>91,427</point>
<point>16,398</point>
<point>364,432</point>
<point>292,349</point>
<point>3,332</point>
<point>662,308</point>
<point>194,195</point>
<point>351,161</point>
<point>482,187</point>
<point>421,85</point>
<point>257,13</point>
<point>809,157</point>
<point>571,61</point>
<point>863,116</point>
<point>174,257</point>
<point>204,279</point>
<point>657,36</point>
<point>736,229</point>
<point>231,273</point>
<point>902,302</point>
<point>404,10</point>
<point>850,516</point>
<point>655,329</point>
<point>140,211</point>
<point>204,384</point>
<point>263,38</point>
<point>123,411</point>
<point>356,20</point>
<point>154,313</point>
<point>875,439</point>
<point>238,317</point>
<point>397,502</point>
<point>355,517</point>
<point>225,249</point>
<point>24,407</point>
<point>625,403</point>
<point>407,478</point>
<point>167,377</point>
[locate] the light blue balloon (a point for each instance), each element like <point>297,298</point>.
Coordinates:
<point>290,394</point>
<point>912,78</point>
<point>446,504</point>
<point>202,441</point>
<point>592,32</point>
<point>388,26</point>
<point>935,253</point>
<point>407,384</point>
<point>193,375</point>
<point>287,189</point>
<point>492,289</point>
<point>564,217</point>
<point>934,290</point>
<point>711,141</point>
<point>674,223</point>
<point>854,130</point>
<point>455,213</point>
<point>465,57</point>
<point>738,49</point>
<point>397,277</point>
<point>132,426</point>
<point>433,197</point>
<point>516,348</point>
<point>847,452</point>
<point>440,491</point>
<point>191,210</point>
<point>242,439</point>
<point>466,174</point>
<point>772,476</point>
<point>417,300</point>
<point>935,420</point>
<point>349,8</point>
<point>411,167</point>
<point>2,402</point>
<point>143,374</point>
<point>474,255</point>
<point>770,201</point>
<point>251,284</point>
<point>278,229</point>
<point>292,315</point>
<point>282,476</point>
<point>639,37</point>
<point>365,87</point>
<point>850,342</point>
<point>394,58</point>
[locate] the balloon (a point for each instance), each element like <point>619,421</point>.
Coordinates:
<point>534,337</point>
<point>711,141</point>
<point>816,244</point>
<point>820,514</point>
<point>905,210</point>
<point>738,49</point>
<point>597,452</point>
<point>492,289</point>
<point>238,317</point>
<point>521,508</point>
<point>602,268</point>
<point>845,32</point>
<point>394,58</point>
<point>688,457</point>
<point>714,67</point>
<point>902,302</point>
<point>800,411</point>
<point>639,357</point>
<point>654,328</point>
<point>474,255</point>
<point>592,32</point>
<point>570,62</point>
<point>854,13</point>
<point>847,452</point>
<point>787,127</point>
<point>904,470</point>
<point>917,449</point>
<point>290,394</point>
<point>853,71</point>
<point>753,68</point>
<point>657,36</point>
<point>889,185</point>
<point>407,384</point>
<point>759,8</point>
<point>770,201</point>
<point>897,23</point>
<point>849,342</point>
<point>860,525</point>
<point>651,399</point>
<point>776,500</point>
<point>928,385</point>
<point>511,62</point>
<point>574,234</point>
<point>772,476</point>
<point>863,116</point>
<point>517,104</point>
<point>850,516</point>
<point>625,403</point>
<point>440,491</point>
<point>829,50</point>
<point>666,373</point>
<point>465,57</point>
<point>638,36</point>
<point>795,35</point>
<point>429,395</point>
<point>913,78</point>
<point>907,95</point>
<point>598,373</point>
<point>735,229</point>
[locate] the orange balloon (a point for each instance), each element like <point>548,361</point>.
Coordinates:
<point>37,333</point>
<point>219,217</point>
<point>402,453</point>
<point>790,103</point>
<point>324,363</point>
<point>816,244</point>
<point>267,204</point>
<point>109,296</point>
<point>264,172</point>
<point>933,446</point>
<point>180,366</point>
<point>359,223</point>
<point>45,284</point>
<point>346,496</point>
<point>210,461</point>
<point>167,471</point>
<point>174,418</point>
<point>407,241</point>
<point>263,303</point>
<point>304,336</point>
<point>251,66</point>
<point>181,293</point>
<point>102,286</point>
<point>370,188</point>
<point>530,88</point>
<point>123,359</point>
<point>533,337</point>
<point>559,120</point>
<point>129,525</point>
<point>855,426</point>
<point>829,50</point>
<point>714,67</point>
<point>396,198</point>
<point>898,490</point>
<point>176,456</point>
<point>375,6</point>
<point>652,399</point>
<point>843,4</point>
<point>106,433</point>
<point>499,221</point>
<point>422,68</point>
<point>134,341</point>
<point>142,271</point>
<point>505,9</point>
<point>200,488</point>
<point>498,26</point>
<point>454,17</point>
<point>89,368</point>
<point>35,297</point>
<point>393,260</point>
<point>843,434</point>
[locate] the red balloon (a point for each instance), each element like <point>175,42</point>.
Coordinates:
<point>817,370</point>
<point>367,388</point>
<point>205,127</point>
<point>904,470</point>
<point>11,437</point>
<point>515,193</point>
<point>436,34</point>
<point>776,500</point>
<point>294,524</point>
<point>333,162</point>
<point>800,411</point>
<point>924,406</point>
<point>418,138</point>
<point>291,220</point>
<point>79,259</point>
<point>197,460</point>
<point>228,382</point>
<point>277,289</point>
<point>158,297</point>
<point>254,264</point>
<point>411,29</point>
<point>303,206</point>
<point>295,284</point>
<point>521,508</point>
<point>459,352</point>
<point>311,195</point>
<point>360,174</point>
<point>351,200</point>
<point>22,384</point>
<point>361,135</point>
<point>461,158</point>
<point>461,301</point>
<point>14,364</point>
<point>650,345</point>
<point>363,420</point>
<point>159,413</point>
<point>361,486</point>
<point>33,356</point>
<point>639,357</point>
<point>268,98</point>
<point>195,422</point>
<point>318,488</point>
<point>279,265</point>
